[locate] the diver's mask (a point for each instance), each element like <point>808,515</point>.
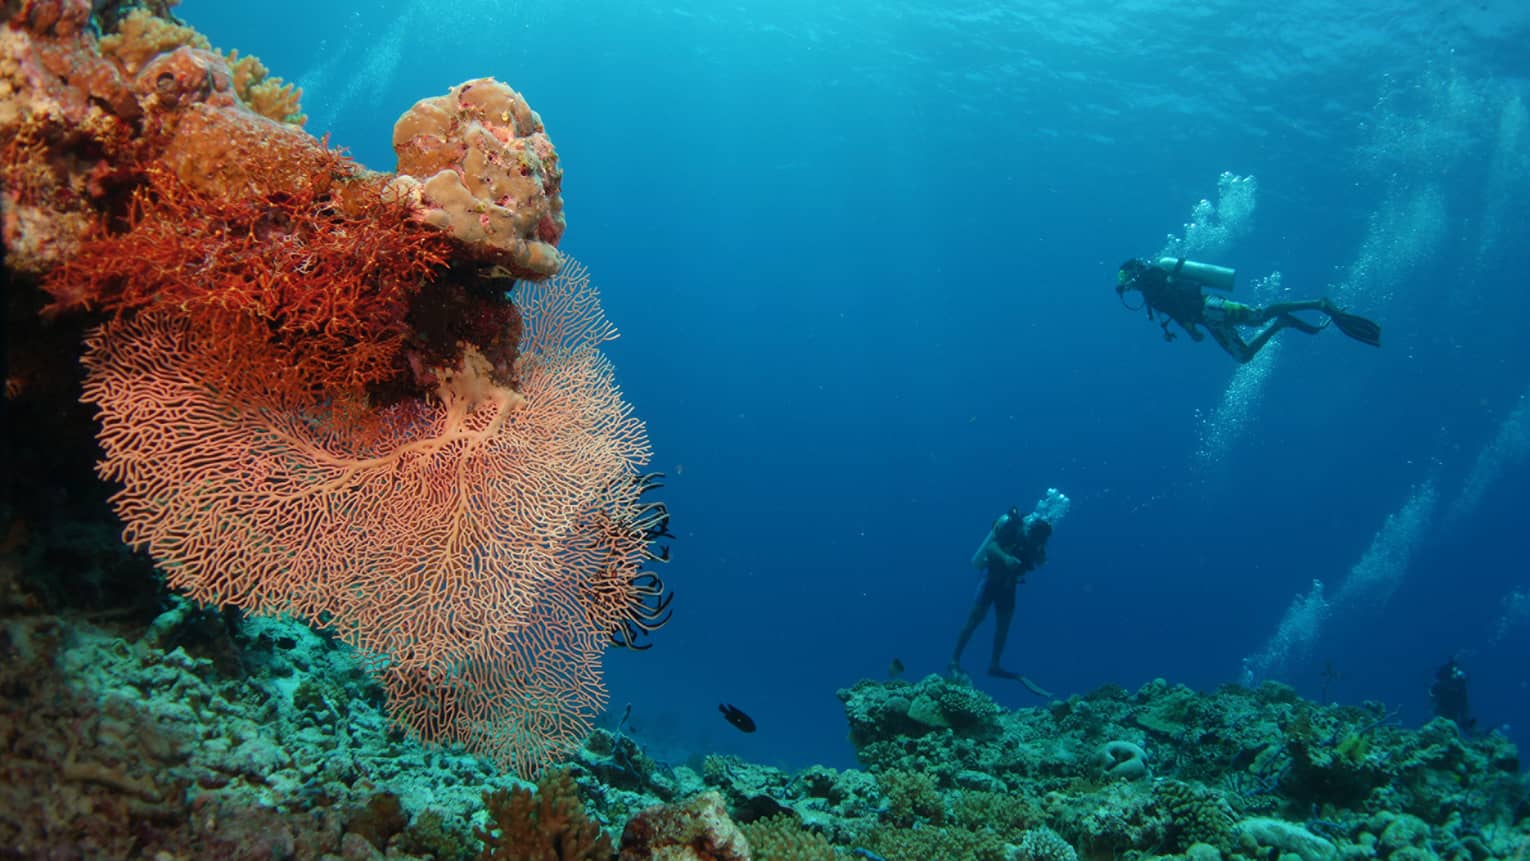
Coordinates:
<point>1126,276</point>
<point>1126,280</point>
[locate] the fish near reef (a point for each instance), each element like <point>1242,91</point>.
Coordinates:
<point>744,722</point>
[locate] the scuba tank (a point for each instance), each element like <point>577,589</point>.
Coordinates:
<point>1203,274</point>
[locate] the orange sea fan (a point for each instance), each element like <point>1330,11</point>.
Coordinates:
<point>481,545</point>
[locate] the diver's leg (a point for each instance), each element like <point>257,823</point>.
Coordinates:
<point>1003,614</point>
<point>1228,339</point>
<point>1222,316</point>
<point>1253,347</point>
<point>980,604</point>
<point>1282,311</point>
<point>1238,314</point>
<point>1301,325</point>
<point>1287,307</point>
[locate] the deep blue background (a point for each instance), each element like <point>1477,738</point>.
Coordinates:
<point>861,255</point>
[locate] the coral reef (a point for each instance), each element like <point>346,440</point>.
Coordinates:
<point>319,388</point>
<point>119,749</point>
<point>282,748</point>
<point>911,798</point>
<point>1239,773</point>
<point>148,146</point>
<point>319,395</point>
<point>80,116</point>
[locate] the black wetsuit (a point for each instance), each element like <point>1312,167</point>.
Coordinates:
<point>1007,555</point>
<point>1180,299</point>
<point>1177,299</point>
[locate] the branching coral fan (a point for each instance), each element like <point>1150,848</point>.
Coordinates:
<point>482,544</point>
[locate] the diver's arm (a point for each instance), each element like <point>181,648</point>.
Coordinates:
<point>992,554</point>
<point>984,558</point>
<point>997,556</point>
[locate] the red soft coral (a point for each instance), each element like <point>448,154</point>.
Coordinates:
<point>324,269</point>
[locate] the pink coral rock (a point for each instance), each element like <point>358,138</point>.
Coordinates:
<point>698,830</point>
<point>478,164</point>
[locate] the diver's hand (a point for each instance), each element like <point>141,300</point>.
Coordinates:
<point>1009,561</point>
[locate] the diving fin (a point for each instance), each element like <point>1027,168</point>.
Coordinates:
<point>1034,688</point>
<point>1357,327</point>
<point>1001,673</point>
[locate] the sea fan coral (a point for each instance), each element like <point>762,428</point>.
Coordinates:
<point>482,544</point>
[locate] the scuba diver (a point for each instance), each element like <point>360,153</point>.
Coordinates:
<point>1448,695</point>
<point>1014,547</point>
<point>1172,287</point>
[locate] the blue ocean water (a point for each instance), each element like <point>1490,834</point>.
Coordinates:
<point>862,254</point>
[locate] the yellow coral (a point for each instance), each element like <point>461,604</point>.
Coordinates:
<point>911,797</point>
<point>142,36</point>
<point>266,94</point>
<point>548,824</point>
<point>781,838</point>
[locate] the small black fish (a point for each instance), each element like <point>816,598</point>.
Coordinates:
<point>744,722</point>
<point>895,669</point>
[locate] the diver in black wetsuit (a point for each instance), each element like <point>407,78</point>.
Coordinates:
<point>1448,695</point>
<point>1172,287</point>
<point>1015,546</point>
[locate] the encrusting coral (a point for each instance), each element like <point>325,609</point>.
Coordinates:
<point>698,829</point>
<point>478,164</point>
